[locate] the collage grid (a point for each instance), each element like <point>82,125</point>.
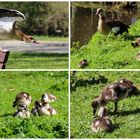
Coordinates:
<point>63,88</point>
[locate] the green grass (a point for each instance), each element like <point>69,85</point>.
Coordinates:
<point>104,52</point>
<point>35,83</point>
<point>51,38</point>
<point>37,60</point>
<point>126,122</point>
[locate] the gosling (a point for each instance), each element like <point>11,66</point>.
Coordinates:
<point>113,92</point>
<point>22,98</point>
<point>48,98</point>
<point>22,112</point>
<point>43,109</point>
<point>102,123</point>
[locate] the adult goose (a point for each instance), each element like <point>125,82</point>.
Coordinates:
<point>105,27</point>
<point>8,29</point>
<point>114,93</point>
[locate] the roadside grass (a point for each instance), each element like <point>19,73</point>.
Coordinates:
<point>35,83</point>
<point>104,52</point>
<point>51,38</point>
<point>37,60</point>
<point>126,121</point>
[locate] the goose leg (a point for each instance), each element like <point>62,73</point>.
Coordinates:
<point>116,106</point>
<point>94,111</point>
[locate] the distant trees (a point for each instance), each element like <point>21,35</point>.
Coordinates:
<point>43,18</point>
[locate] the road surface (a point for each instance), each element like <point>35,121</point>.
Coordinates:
<point>43,46</point>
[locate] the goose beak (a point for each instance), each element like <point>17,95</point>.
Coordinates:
<point>36,42</point>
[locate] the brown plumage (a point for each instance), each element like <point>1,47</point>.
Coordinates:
<point>105,27</point>
<point>22,98</point>
<point>114,93</point>
<point>102,123</point>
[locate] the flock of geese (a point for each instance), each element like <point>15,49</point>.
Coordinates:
<point>42,107</point>
<point>113,92</point>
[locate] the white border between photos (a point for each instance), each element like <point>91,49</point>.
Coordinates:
<point>69,70</point>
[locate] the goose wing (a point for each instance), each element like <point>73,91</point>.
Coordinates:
<point>116,23</point>
<point>7,19</point>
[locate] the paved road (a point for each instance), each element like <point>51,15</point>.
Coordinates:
<point>43,46</point>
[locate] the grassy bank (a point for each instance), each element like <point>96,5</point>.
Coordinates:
<point>37,60</point>
<point>108,51</point>
<point>35,83</point>
<point>126,122</point>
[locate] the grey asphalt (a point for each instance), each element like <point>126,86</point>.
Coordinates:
<point>43,46</point>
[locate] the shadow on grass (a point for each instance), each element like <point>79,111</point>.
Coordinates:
<point>6,115</point>
<point>126,113</point>
<point>131,37</point>
<point>45,54</point>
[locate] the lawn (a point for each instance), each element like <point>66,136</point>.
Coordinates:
<point>51,38</point>
<point>108,52</point>
<point>126,121</point>
<point>37,60</point>
<point>35,83</point>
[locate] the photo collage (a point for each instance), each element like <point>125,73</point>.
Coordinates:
<point>69,69</point>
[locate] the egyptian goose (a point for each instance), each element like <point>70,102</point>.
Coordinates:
<point>22,112</point>
<point>43,109</point>
<point>102,123</point>
<point>113,92</point>
<point>8,29</point>
<point>48,98</point>
<point>105,27</point>
<point>22,98</point>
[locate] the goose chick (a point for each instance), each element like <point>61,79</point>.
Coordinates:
<point>45,109</point>
<point>114,93</point>
<point>136,43</point>
<point>22,112</point>
<point>37,105</point>
<point>102,123</point>
<point>48,98</point>
<point>22,98</point>
<point>105,27</point>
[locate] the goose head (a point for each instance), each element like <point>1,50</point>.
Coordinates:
<point>38,104</point>
<point>22,98</point>
<point>30,39</point>
<point>48,98</point>
<point>99,11</point>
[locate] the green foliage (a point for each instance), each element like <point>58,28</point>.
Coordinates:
<point>36,83</point>
<point>126,121</point>
<point>104,52</point>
